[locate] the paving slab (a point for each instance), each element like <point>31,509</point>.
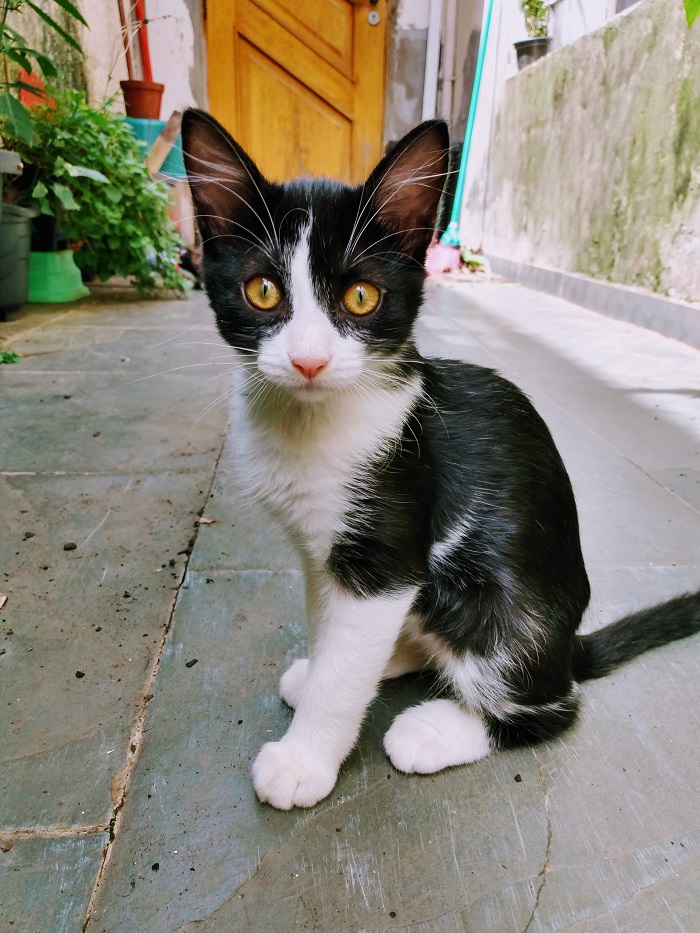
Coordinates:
<point>599,830</point>
<point>107,454</point>
<point>81,629</point>
<point>46,882</point>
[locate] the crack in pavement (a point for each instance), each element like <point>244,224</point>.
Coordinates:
<point>138,731</point>
<point>542,874</point>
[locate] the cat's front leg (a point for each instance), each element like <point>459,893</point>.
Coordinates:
<point>408,657</point>
<point>350,649</point>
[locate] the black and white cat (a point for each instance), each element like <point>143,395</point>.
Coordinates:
<point>434,518</point>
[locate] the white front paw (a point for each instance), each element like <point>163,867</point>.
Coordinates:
<point>293,681</point>
<point>283,779</point>
<point>435,735</point>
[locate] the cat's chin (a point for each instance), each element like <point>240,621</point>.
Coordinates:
<point>312,393</point>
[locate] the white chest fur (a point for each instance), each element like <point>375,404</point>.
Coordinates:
<point>303,460</point>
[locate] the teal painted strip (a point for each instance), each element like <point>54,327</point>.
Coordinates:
<point>451,236</point>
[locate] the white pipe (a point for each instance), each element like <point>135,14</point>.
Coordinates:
<point>432,60</point>
<point>448,60</point>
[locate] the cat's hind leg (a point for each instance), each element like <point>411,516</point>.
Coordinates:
<point>409,657</point>
<point>436,735</point>
<point>293,681</point>
<point>501,700</point>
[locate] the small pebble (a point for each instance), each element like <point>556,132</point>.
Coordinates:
<point>80,674</point>
<point>517,778</point>
<point>70,546</point>
<point>191,663</point>
<point>155,866</point>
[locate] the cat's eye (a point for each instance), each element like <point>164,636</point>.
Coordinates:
<point>361,298</point>
<point>263,293</point>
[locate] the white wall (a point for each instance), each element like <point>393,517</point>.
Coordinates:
<point>571,19</point>
<point>171,37</point>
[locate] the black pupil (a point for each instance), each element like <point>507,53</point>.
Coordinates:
<point>360,294</point>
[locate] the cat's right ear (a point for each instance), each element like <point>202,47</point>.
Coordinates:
<point>224,180</point>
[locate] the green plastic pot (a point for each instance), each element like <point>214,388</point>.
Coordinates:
<point>55,278</point>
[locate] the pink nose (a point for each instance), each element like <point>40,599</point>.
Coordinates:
<point>309,367</point>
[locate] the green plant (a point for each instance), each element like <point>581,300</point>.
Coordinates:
<point>536,17</point>
<point>9,356</point>
<point>15,53</point>
<point>87,169</point>
<point>692,10</point>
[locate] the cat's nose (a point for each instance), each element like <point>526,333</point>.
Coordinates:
<point>309,367</point>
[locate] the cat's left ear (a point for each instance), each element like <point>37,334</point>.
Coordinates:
<point>407,185</point>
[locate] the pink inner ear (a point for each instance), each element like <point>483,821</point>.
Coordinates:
<point>220,180</point>
<point>409,184</point>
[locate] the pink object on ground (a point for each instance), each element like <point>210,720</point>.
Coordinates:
<point>441,258</point>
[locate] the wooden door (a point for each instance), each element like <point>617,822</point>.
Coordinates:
<point>300,83</point>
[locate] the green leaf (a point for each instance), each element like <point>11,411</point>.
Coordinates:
<point>54,25</point>
<point>17,55</point>
<point>9,356</point>
<point>22,85</point>
<point>69,8</point>
<point>79,171</point>
<point>692,10</point>
<point>39,190</point>
<point>16,121</point>
<point>65,196</point>
<point>48,68</point>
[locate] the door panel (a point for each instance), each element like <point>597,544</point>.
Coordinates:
<point>300,83</point>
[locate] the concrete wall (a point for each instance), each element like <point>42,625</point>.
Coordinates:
<point>594,157</point>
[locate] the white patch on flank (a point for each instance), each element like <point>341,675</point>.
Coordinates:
<point>440,551</point>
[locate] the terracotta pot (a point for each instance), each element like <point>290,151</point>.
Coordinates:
<point>142,99</point>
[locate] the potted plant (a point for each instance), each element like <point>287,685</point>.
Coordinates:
<point>529,50</point>
<point>142,97</point>
<point>86,169</point>
<point>19,62</point>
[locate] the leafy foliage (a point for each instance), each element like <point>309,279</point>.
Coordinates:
<point>692,10</point>
<point>87,169</point>
<point>9,356</point>
<point>536,17</point>
<point>15,53</point>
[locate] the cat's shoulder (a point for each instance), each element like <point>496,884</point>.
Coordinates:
<point>450,376</point>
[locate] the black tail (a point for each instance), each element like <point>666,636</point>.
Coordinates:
<point>601,652</point>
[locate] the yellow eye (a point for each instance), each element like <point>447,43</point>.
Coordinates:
<point>263,293</point>
<point>361,298</point>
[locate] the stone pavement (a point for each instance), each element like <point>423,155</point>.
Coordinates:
<point>142,651</point>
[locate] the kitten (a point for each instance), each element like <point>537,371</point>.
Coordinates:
<point>434,518</point>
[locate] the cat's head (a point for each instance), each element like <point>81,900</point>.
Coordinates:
<point>319,282</point>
